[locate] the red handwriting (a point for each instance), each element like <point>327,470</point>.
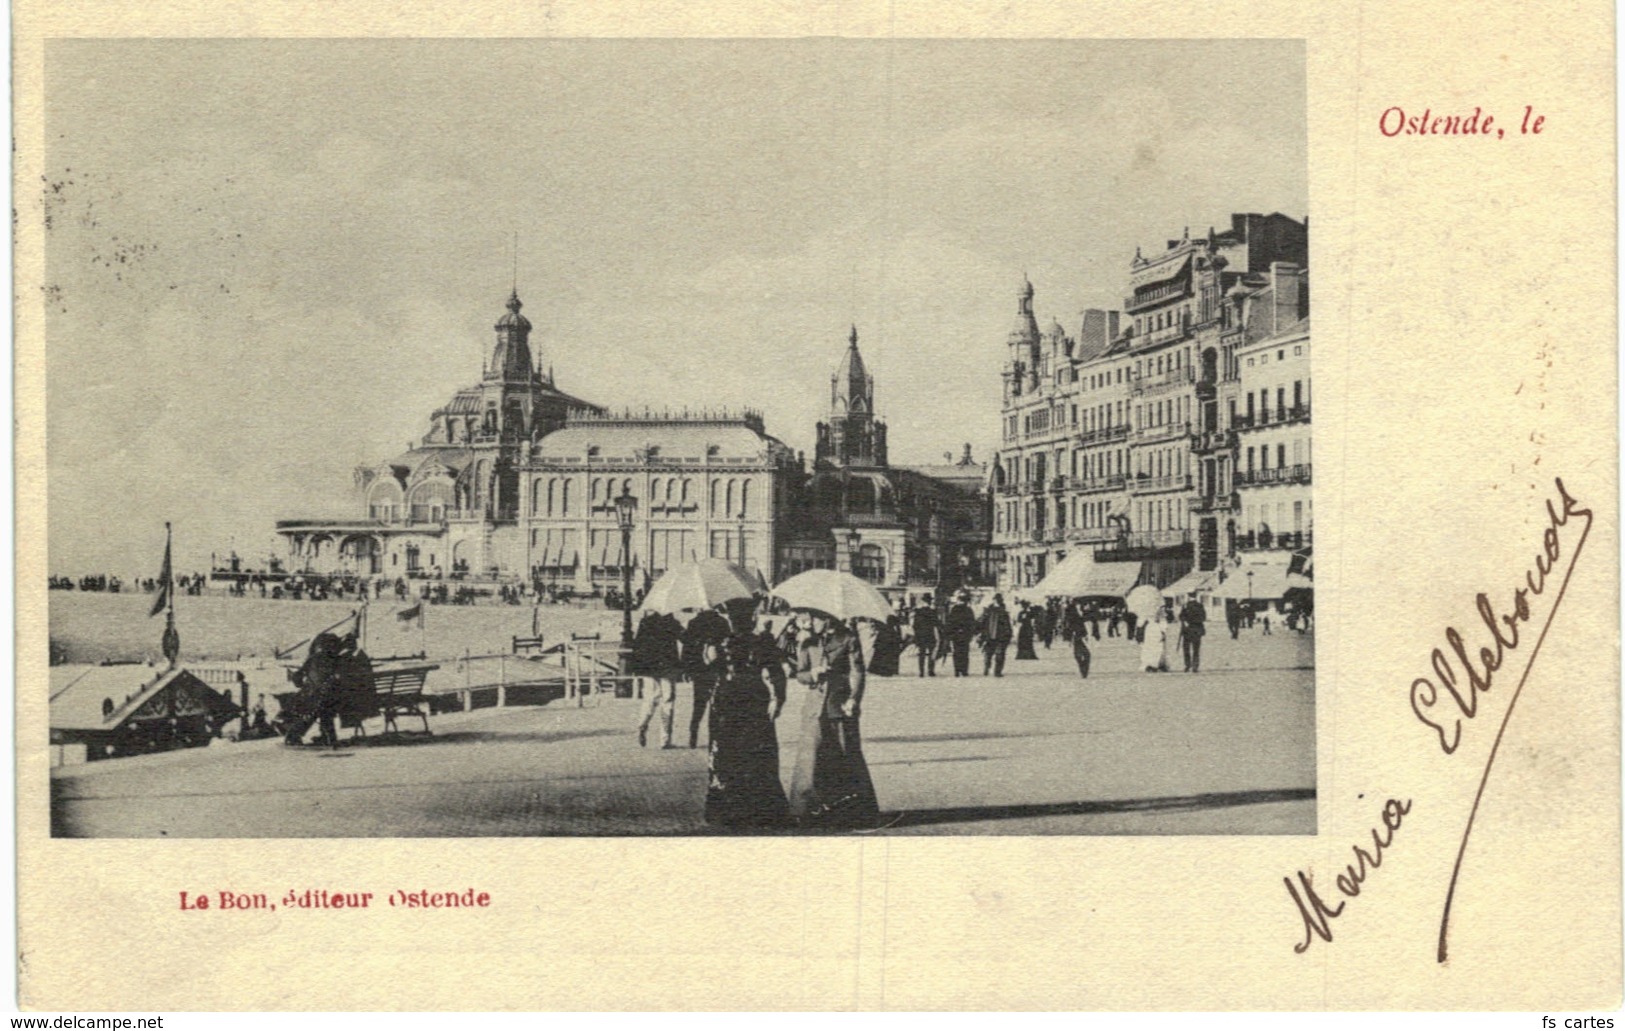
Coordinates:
<point>1395,121</point>
<point>1317,915</point>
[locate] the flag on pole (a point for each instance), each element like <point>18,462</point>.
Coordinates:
<point>166,580</point>
<point>407,615</point>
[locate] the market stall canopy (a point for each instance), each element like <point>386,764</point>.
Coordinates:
<point>1260,582</point>
<point>1197,581</point>
<point>1080,576</point>
<point>700,585</point>
<point>842,595</point>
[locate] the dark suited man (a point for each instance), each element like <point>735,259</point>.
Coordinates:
<point>996,634</point>
<point>1192,625</point>
<point>927,628</point>
<point>703,662</point>
<point>961,630</point>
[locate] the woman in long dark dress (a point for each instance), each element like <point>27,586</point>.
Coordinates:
<point>1024,632</point>
<point>743,789</point>
<point>830,785</point>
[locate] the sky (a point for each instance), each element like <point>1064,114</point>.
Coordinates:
<point>268,261</point>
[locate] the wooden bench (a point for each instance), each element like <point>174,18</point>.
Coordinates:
<point>400,693</point>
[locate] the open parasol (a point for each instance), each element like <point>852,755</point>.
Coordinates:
<point>700,585</point>
<point>842,595</point>
<point>1144,601</point>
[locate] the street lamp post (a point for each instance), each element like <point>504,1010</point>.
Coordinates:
<point>626,507</point>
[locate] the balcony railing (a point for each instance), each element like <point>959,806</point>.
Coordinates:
<point>1216,502</point>
<point>1273,417</point>
<point>1213,440</point>
<point>1156,384</point>
<point>1058,483</point>
<point>1272,477</point>
<point>1156,539</point>
<point>1167,431</point>
<point>1094,534</point>
<point>1267,541</point>
<point>1105,435</point>
<point>1099,483</point>
<point>1148,484</point>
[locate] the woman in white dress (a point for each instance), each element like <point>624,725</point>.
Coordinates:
<point>1152,645</point>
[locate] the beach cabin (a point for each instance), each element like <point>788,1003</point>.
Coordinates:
<point>104,712</point>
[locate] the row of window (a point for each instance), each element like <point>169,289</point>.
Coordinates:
<point>556,496</point>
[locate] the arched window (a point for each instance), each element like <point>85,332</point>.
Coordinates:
<point>716,490</point>
<point>537,486</point>
<point>730,501</point>
<point>654,491</point>
<point>685,491</point>
<point>564,498</point>
<point>597,491</point>
<point>744,498</point>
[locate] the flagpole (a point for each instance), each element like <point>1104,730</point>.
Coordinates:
<point>171,640</point>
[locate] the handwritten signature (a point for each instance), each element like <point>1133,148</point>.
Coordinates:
<point>1445,717</point>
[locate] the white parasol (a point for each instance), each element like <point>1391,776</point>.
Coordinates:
<point>1144,601</point>
<point>699,585</point>
<point>842,595</point>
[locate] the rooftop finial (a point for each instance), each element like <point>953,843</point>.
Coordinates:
<point>854,337</point>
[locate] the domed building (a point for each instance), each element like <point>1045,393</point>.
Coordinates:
<point>451,503</point>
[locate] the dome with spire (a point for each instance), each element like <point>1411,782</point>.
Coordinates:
<point>1025,330</point>
<point>511,358</point>
<point>852,387</point>
<point>513,319</point>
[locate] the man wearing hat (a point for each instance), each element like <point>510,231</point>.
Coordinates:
<point>927,627</point>
<point>961,630</point>
<point>996,634</point>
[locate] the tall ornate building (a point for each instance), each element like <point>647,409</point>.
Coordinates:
<point>895,526</point>
<point>1124,441</point>
<point>451,502</point>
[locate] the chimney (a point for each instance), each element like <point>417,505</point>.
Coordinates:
<point>1284,288</point>
<point>967,459</point>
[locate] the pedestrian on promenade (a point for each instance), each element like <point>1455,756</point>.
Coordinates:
<point>961,629</point>
<point>1026,622</point>
<point>1111,623</point>
<point>657,657</point>
<point>743,789</point>
<point>1080,649</point>
<point>1154,638</point>
<point>1192,625</point>
<point>830,784</point>
<point>995,630</point>
<point>927,627</point>
<point>702,662</point>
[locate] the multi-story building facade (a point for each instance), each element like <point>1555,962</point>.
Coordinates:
<point>1272,455</point>
<point>1125,441</point>
<point>707,485</point>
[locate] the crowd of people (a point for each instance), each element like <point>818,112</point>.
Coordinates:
<point>949,634</point>
<point>740,659</point>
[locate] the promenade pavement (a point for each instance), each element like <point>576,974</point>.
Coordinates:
<point>1230,750</point>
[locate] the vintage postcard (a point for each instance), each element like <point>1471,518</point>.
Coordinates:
<point>826,495</point>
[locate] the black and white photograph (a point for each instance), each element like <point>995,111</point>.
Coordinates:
<point>650,438</point>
